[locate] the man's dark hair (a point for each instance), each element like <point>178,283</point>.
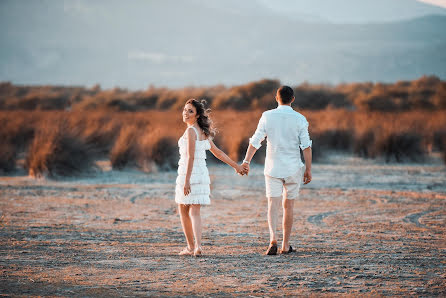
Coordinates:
<point>286,94</point>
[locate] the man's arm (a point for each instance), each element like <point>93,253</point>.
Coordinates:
<point>307,156</point>
<point>249,154</point>
<point>254,143</point>
<point>305,145</point>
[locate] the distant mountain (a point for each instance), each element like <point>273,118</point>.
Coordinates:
<point>199,42</point>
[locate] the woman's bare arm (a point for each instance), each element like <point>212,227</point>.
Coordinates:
<point>191,137</point>
<point>218,153</point>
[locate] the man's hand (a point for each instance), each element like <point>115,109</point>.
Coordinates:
<point>245,168</point>
<point>307,176</point>
<point>239,169</point>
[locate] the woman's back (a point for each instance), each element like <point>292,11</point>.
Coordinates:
<point>199,179</point>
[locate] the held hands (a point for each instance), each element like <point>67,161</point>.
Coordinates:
<point>239,170</point>
<point>307,176</point>
<point>245,168</point>
<point>242,169</point>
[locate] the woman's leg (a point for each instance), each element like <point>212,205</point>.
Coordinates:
<point>196,223</point>
<point>186,223</point>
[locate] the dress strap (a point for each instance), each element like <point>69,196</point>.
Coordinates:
<point>196,132</point>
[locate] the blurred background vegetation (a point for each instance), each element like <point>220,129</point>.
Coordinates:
<point>426,93</point>
<point>60,131</point>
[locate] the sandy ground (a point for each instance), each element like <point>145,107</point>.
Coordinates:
<point>361,228</point>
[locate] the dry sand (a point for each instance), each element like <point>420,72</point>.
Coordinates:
<point>361,228</point>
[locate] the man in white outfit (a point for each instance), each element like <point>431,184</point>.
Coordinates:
<point>286,130</point>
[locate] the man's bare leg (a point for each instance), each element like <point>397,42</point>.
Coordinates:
<point>287,223</point>
<point>273,211</point>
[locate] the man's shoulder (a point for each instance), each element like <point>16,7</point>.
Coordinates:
<point>268,112</point>
<point>300,116</point>
<point>289,112</point>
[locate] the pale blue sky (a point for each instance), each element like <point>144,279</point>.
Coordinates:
<point>204,42</point>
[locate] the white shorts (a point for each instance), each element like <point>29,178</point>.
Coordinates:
<point>287,187</point>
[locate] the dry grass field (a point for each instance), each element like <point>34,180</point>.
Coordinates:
<point>62,143</point>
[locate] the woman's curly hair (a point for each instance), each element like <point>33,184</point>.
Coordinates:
<point>204,121</point>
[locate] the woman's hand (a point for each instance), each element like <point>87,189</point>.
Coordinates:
<point>187,188</point>
<point>245,167</point>
<point>240,170</point>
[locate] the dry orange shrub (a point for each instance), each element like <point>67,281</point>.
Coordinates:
<point>107,133</point>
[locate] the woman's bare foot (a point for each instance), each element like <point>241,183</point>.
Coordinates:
<point>198,251</point>
<point>186,252</point>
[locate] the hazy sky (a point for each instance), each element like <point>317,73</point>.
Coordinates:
<point>441,3</point>
<point>356,11</point>
<point>204,42</point>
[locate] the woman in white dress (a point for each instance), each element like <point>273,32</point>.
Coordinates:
<point>192,184</point>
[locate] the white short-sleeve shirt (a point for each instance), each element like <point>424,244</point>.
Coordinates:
<point>286,130</point>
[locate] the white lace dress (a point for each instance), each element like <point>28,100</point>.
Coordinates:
<point>199,180</point>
